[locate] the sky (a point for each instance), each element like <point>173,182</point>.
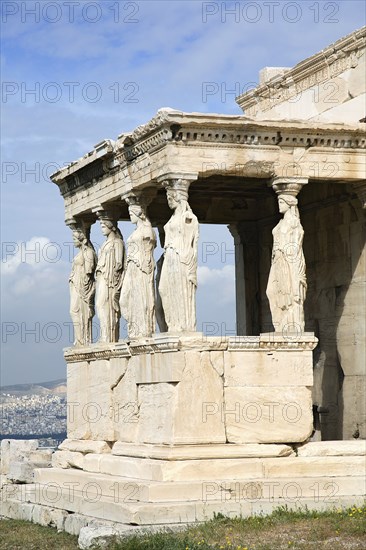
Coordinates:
<point>77,72</point>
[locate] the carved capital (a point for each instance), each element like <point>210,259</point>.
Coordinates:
<point>360,188</point>
<point>79,224</point>
<point>289,185</point>
<point>103,213</point>
<point>140,197</point>
<point>177,180</point>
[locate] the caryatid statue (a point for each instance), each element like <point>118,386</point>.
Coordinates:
<point>286,289</point>
<point>178,280</point>
<point>109,274</point>
<point>137,294</point>
<point>82,284</point>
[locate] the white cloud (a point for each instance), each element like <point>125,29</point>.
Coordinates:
<point>35,253</point>
<point>207,275</point>
<point>34,269</point>
<point>217,285</point>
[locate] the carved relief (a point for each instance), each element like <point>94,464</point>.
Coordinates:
<point>82,285</point>
<point>178,280</point>
<point>137,295</point>
<point>109,274</point>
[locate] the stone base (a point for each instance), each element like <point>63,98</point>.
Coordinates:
<point>185,428</point>
<point>192,390</point>
<point>189,484</point>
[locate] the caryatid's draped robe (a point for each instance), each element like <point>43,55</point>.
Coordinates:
<point>109,274</point>
<point>137,295</point>
<point>82,293</point>
<point>286,289</point>
<point>178,281</point>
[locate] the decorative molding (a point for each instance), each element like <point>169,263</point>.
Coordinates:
<point>133,154</point>
<point>329,63</point>
<point>163,343</point>
<point>163,116</point>
<point>242,343</point>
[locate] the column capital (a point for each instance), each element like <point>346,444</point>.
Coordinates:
<point>79,224</point>
<point>289,185</point>
<point>73,223</point>
<point>140,197</point>
<point>171,179</point>
<point>360,188</point>
<point>106,213</point>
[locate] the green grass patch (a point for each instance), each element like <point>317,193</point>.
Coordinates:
<point>282,530</point>
<point>23,535</point>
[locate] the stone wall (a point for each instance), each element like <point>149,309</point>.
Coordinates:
<point>203,390</point>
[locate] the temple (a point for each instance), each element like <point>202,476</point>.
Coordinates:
<point>169,416</point>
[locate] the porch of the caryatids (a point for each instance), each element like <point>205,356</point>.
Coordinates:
<point>178,279</point>
<point>286,288</point>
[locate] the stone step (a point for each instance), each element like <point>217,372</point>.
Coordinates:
<point>182,470</point>
<point>224,469</point>
<point>197,452</point>
<point>135,513</point>
<point>73,522</point>
<point>126,490</point>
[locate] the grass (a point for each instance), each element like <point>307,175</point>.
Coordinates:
<point>282,530</point>
<point>22,535</point>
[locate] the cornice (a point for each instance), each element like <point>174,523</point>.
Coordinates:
<point>200,130</point>
<point>324,65</point>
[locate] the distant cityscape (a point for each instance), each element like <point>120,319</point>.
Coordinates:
<point>35,411</point>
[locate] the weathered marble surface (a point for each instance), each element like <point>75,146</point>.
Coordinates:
<point>138,293</point>
<point>329,86</point>
<point>82,287</point>
<point>247,390</point>
<point>286,288</point>
<point>109,272</point>
<point>178,280</point>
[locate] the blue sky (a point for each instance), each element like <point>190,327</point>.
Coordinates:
<point>98,69</point>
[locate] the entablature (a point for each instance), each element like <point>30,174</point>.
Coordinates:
<point>221,147</point>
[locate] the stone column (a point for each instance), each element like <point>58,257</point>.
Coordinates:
<point>138,293</point>
<point>178,281</point>
<point>246,277</point>
<point>109,273</point>
<point>351,331</point>
<point>286,289</point>
<point>240,286</point>
<point>360,189</point>
<point>82,282</point>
